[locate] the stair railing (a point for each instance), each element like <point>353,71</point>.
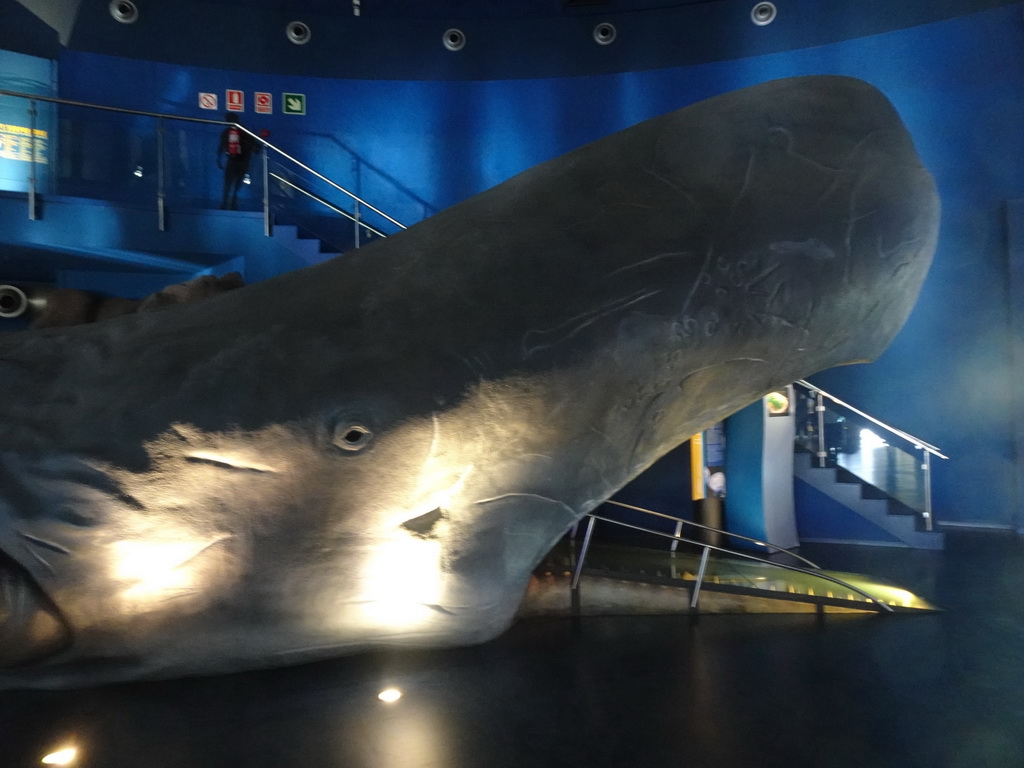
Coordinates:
<point>680,522</point>
<point>162,119</point>
<point>354,217</point>
<point>927,449</point>
<point>706,550</point>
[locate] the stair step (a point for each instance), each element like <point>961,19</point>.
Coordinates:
<point>874,505</point>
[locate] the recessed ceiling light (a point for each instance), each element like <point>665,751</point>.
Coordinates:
<point>604,33</point>
<point>124,11</point>
<point>763,14</point>
<point>454,39</point>
<point>298,32</point>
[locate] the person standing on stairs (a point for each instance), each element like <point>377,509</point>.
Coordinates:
<point>238,147</point>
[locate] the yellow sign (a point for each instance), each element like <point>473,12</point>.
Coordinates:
<point>697,490</point>
<point>16,143</point>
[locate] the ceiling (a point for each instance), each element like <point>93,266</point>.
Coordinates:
<point>404,39</point>
<point>463,9</point>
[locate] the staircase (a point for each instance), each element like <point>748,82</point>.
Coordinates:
<point>127,227</point>
<point>306,247</point>
<point>71,246</point>
<point>852,485</point>
<point>883,519</point>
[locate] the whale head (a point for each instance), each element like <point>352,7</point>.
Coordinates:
<point>378,450</point>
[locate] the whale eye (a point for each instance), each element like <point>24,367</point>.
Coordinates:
<point>352,437</point>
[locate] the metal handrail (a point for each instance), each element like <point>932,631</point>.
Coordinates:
<point>915,441</point>
<point>104,107</point>
<point>881,606</point>
<point>163,116</point>
<point>326,204</point>
<point>323,178</point>
<point>765,544</point>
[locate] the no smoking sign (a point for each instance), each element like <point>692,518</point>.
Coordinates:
<point>207,100</point>
<point>264,103</point>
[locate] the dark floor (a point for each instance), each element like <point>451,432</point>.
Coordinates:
<point>930,690</point>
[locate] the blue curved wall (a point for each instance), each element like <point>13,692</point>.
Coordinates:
<point>416,146</point>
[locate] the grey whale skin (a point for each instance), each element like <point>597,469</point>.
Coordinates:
<point>377,450</point>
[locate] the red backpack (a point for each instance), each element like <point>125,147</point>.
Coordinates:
<point>234,142</point>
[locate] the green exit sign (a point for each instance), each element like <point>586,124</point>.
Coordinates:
<point>293,103</point>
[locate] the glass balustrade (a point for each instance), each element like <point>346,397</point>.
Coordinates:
<point>887,460</point>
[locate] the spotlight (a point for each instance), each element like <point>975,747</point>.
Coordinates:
<point>390,695</point>
<point>763,14</point>
<point>124,11</point>
<point>604,33</point>
<point>61,757</point>
<point>454,39</point>
<point>298,32</point>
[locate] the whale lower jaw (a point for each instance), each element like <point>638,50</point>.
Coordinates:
<point>30,629</point>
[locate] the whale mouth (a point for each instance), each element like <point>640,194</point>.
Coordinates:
<point>31,628</point>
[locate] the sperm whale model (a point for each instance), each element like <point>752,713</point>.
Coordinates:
<point>377,450</point>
